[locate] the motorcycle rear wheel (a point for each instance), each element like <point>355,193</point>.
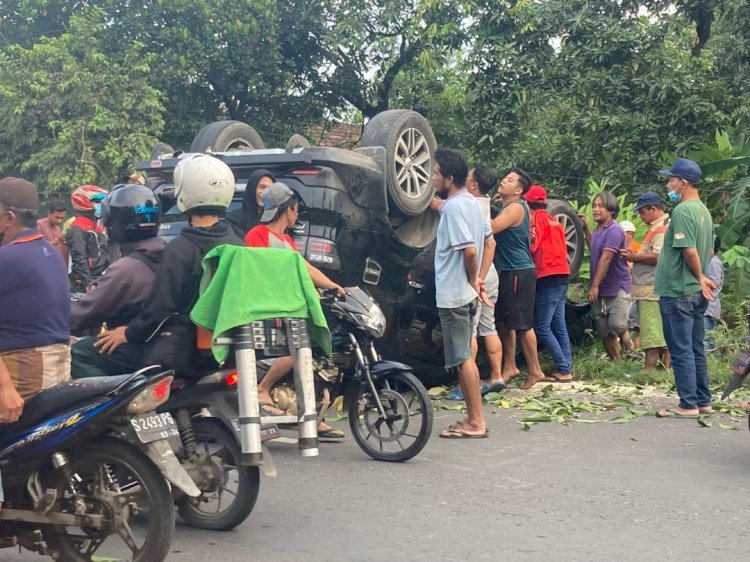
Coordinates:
<point>216,441</point>
<point>408,416</point>
<point>105,467</point>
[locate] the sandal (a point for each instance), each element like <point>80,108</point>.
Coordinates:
<point>270,409</point>
<point>330,435</point>
<point>456,433</point>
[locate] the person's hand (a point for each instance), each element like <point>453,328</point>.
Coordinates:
<point>340,291</point>
<point>593,294</point>
<point>707,287</point>
<point>482,295</point>
<point>627,254</point>
<point>584,222</point>
<point>11,404</point>
<point>110,340</point>
<point>436,203</point>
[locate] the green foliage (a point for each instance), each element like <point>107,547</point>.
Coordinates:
<point>73,115</point>
<point>578,89</point>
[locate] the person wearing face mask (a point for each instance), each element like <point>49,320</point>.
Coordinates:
<point>248,217</point>
<point>86,240</point>
<point>684,289</point>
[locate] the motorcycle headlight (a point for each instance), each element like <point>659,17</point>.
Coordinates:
<point>374,321</point>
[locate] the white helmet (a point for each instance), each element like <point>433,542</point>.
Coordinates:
<point>202,180</point>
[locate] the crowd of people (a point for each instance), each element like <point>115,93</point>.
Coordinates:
<point>666,287</point>
<point>501,272</point>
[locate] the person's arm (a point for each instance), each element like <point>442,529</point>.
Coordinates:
<point>601,273</point>
<point>509,217</point>
<point>488,253</point>
<point>471,264</point>
<point>648,258</point>
<point>693,261</point>
<point>586,230</point>
<point>168,295</point>
<point>320,280</point>
<point>11,403</point>
<point>436,203</point>
<point>114,290</point>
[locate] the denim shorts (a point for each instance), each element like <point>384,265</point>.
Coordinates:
<point>457,333</point>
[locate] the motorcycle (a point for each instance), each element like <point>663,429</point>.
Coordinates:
<point>389,410</point>
<point>387,406</point>
<point>87,471</point>
<point>205,411</point>
<point>741,367</point>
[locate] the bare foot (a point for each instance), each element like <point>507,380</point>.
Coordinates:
<point>531,380</point>
<point>559,377</point>
<point>508,378</point>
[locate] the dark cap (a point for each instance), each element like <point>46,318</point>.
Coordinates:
<point>649,198</point>
<point>274,196</point>
<point>18,193</point>
<point>684,169</point>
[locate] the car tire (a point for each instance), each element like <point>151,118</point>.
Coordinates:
<point>410,148</point>
<point>568,216</point>
<point>223,136</point>
<point>297,141</point>
<point>160,149</point>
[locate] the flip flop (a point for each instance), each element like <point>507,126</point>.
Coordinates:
<point>557,378</point>
<point>706,410</point>
<point>266,409</point>
<point>457,395</point>
<point>672,413</point>
<point>331,435</point>
<point>461,434</point>
<point>498,386</point>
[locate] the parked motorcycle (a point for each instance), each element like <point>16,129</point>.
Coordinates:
<point>389,409</point>
<point>85,471</point>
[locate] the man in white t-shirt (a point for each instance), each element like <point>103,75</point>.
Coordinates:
<point>480,181</point>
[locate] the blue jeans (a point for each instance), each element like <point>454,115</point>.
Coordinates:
<point>549,324</point>
<point>709,325</point>
<point>684,332</point>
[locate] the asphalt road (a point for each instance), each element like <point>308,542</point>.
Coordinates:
<point>651,489</point>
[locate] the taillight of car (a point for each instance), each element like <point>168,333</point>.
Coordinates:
<point>151,397</point>
<point>306,172</point>
<point>322,251</point>
<point>231,379</point>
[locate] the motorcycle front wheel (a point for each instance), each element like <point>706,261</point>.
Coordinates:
<point>229,489</point>
<point>405,428</point>
<point>120,484</point>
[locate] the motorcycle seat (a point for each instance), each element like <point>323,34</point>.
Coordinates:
<point>62,397</point>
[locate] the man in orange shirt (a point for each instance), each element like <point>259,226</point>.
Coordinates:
<point>51,227</point>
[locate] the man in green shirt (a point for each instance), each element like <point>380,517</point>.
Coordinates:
<point>684,289</point>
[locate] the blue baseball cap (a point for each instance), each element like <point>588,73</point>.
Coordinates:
<point>650,198</point>
<point>684,169</point>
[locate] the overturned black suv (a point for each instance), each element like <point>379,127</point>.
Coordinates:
<point>367,222</point>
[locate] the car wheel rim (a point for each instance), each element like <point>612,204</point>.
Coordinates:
<point>413,161</point>
<point>571,235</point>
<point>239,144</point>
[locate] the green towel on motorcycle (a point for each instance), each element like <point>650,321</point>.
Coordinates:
<point>241,285</point>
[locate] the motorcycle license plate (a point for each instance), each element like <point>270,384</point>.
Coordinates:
<point>152,427</point>
<point>267,432</point>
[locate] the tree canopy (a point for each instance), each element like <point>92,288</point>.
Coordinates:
<point>570,89</point>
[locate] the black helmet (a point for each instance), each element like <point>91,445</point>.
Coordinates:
<point>131,212</point>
